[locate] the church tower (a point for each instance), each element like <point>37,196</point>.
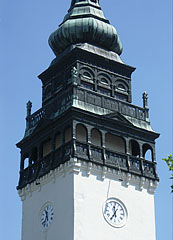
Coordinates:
<point>85,172</point>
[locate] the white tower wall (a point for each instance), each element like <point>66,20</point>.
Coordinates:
<point>90,194</point>
<point>59,193</point>
<point>77,192</point>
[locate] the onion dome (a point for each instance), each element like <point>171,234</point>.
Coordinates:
<point>85,23</point>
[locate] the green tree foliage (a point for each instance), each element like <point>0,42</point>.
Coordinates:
<point>169,162</point>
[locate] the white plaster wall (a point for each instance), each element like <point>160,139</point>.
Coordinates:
<point>60,195</point>
<point>90,194</point>
<point>78,198</point>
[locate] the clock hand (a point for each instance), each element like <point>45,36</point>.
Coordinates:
<point>115,213</point>
<point>46,215</point>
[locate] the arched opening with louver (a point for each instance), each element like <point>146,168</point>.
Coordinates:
<point>115,143</point>
<point>96,138</point>
<point>34,156</point>
<point>134,148</point>
<point>81,133</point>
<point>147,152</point>
<point>25,161</point>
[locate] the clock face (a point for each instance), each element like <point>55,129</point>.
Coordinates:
<point>115,212</point>
<point>47,216</point>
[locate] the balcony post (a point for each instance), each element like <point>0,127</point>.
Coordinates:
<point>28,115</point>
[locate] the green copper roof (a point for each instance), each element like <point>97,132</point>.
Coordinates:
<point>85,23</point>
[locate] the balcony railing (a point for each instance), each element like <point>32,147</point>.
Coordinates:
<point>33,119</point>
<point>117,160</point>
<point>87,152</point>
<point>110,103</point>
<point>93,98</point>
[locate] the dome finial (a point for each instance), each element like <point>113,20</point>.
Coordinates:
<point>73,2</point>
<point>85,23</point>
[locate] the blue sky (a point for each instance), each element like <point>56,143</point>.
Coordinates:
<point>145,29</point>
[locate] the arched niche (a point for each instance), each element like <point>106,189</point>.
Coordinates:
<point>81,133</point>
<point>58,140</point>
<point>115,143</point>
<point>96,137</point>
<point>147,152</point>
<point>134,148</point>
<point>67,134</point>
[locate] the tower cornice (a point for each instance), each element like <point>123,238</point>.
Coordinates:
<point>101,173</point>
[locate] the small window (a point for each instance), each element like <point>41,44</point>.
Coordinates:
<point>104,91</point>
<point>121,97</point>
<point>87,85</point>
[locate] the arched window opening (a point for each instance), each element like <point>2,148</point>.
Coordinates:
<point>114,143</point>
<point>68,135</point>
<point>134,148</point>
<point>81,133</point>
<point>104,82</point>
<point>46,148</point>
<point>87,75</point>
<point>147,152</point>
<point>58,140</point>
<point>96,137</point>
<point>121,87</point>
<point>121,96</point>
<point>25,161</point>
<point>47,91</point>
<point>34,156</point>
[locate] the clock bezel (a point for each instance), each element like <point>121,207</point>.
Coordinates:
<point>124,221</point>
<point>40,215</point>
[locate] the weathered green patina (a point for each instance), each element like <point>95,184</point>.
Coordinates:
<point>85,23</point>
